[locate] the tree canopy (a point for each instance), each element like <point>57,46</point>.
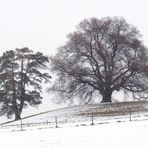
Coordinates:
<point>21,74</point>
<point>100,57</point>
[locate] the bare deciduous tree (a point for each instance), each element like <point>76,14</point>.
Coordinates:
<point>100,57</point>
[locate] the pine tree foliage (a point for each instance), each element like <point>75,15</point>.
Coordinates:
<point>21,75</point>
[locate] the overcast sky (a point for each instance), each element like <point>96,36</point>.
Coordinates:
<point>42,25</point>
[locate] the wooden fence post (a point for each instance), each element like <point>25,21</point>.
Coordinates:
<point>21,125</point>
<point>47,122</point>
<point>130,114</point>
<point>56,122</point>
<point>92,119</point>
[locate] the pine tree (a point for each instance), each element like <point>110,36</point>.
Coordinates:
<point>21,75</point>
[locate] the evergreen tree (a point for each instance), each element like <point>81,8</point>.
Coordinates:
<point>21,75</point>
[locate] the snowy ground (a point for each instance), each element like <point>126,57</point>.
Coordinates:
<point>113,135</point>
<point>75,130</point>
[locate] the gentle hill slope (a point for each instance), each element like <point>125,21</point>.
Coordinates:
<point>82,113</point>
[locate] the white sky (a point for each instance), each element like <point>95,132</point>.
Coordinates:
<point>42,25</point>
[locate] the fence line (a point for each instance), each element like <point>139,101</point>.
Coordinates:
<point>87,119</point>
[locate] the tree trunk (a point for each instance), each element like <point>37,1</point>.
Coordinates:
<point>17,114</point>
<point>106,96</point>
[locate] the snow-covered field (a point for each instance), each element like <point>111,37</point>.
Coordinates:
<point>75,129</point>
<point>113,135</point>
